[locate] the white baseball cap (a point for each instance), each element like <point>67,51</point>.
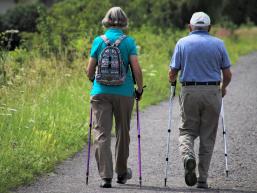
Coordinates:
<point>200,19</point>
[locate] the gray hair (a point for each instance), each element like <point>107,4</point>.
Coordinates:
<point>202,28</point>
<point>115,17</point>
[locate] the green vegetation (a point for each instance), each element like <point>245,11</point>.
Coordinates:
<point>44,108</point>
<point>162,13</point>
<point>241,43</point>
<point>21,17</point>
<point>44,93</point>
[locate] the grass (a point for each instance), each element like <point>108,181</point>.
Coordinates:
<point>40,126</point>
<point>42,121</point>
<point>44,107</point>
<point>239,42</point>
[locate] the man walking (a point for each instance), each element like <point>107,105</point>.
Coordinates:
<point>200,58</point>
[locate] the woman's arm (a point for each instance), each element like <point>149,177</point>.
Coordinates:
<point>137,72</point>
<point>90,70</point>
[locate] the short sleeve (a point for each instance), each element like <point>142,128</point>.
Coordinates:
<point>175,62</point>
<point>94,49</point>
<point>225,58</point>
<point>132,46</point>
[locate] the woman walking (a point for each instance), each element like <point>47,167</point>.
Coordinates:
<point>113,59</point>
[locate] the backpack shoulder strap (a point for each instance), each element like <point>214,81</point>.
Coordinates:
<point>119,40</point>
<point>105,39</point>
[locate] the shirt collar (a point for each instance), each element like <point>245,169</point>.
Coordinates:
<point>199,32</point>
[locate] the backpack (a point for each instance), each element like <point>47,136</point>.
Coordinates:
<point>111,69</point>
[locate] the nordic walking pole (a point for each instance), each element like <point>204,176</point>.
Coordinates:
<point>139,137</point>
<point>89,144</point>
<point>172,95</point>
<point>139,145</point>
<point>224,136</point>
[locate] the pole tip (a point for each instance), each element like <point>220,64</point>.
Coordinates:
<point>227,173</point>
<point>165,182</point>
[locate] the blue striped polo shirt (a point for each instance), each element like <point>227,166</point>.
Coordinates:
<point>200,57</point>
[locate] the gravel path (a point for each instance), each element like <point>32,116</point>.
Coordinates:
<point>241,121</point>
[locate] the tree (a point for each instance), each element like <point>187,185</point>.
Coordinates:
<point>48,3</point>
<point>235,10</point>
<point>252,11</point>
<point>241,11</point>
<point>1,23</point>
<point>22,17</point>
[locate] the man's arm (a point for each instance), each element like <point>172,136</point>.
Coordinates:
<point>173,75</point>
<point>175,63</point>
<point>90,71</point>
<point>227,75</point>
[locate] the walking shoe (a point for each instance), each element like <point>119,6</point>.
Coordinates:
<point>122,179</point>
<point>190,176</point>
<point>203,185</point>
<point>106,183</point>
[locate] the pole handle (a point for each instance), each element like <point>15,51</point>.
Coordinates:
<point>173,88</point>
<point>137,99</point>
<point>174,83</point>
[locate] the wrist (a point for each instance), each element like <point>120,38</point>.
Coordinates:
<point>140,90</point>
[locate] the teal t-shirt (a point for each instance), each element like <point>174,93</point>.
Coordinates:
<point>127,48</point>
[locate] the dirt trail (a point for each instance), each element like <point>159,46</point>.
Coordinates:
<point>241,121</point>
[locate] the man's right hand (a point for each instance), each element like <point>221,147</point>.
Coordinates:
<point>173,75</point>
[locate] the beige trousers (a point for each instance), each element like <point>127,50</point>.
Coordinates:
<point>104,107</point>
<point>200,108</point>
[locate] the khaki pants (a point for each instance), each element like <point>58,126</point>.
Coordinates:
<point>104,106</point>
<point>200,108</point>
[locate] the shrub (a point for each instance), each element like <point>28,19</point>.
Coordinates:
<point>9,40</point>
<point>71,19</point>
